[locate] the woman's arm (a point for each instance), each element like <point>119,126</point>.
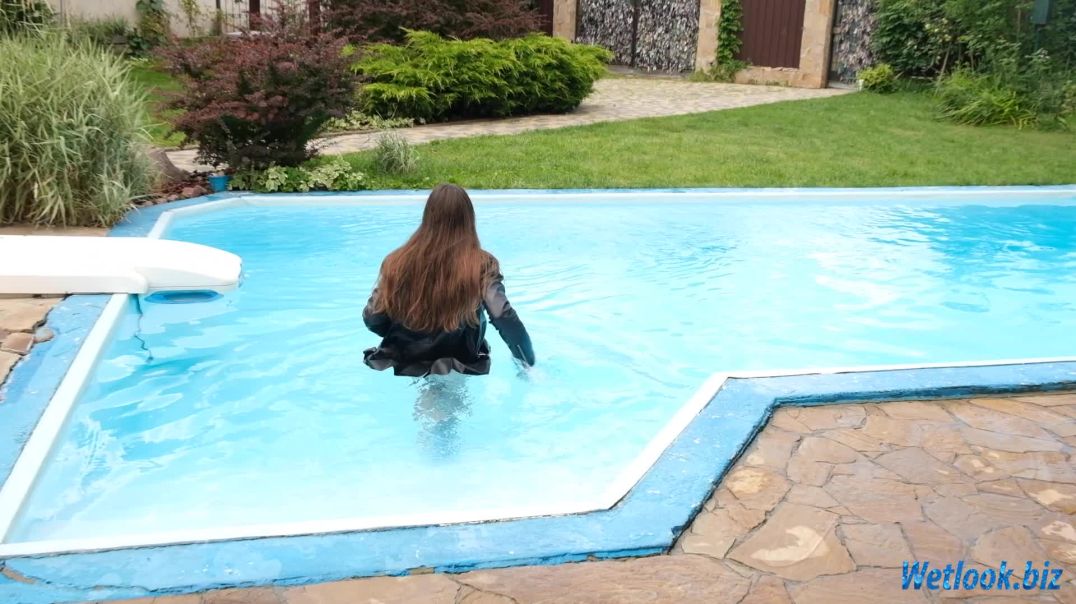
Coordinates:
<point>376,322</point>
<point>505,319</point>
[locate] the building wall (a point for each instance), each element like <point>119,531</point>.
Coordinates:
<point>103,9</point>
<point>95,9</point>
<point>814,52</point>
<point>564,16</point>
<point>709,13</point>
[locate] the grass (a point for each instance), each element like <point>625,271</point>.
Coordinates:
<point>158,85</point>
<point>857,140</point>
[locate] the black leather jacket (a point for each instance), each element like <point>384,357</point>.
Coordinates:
<point>464,350</point>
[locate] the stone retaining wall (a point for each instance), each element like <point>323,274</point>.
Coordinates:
<point>607,23</point>
<point>852,39</point>
<point>668,35</point>
<point>665,31</point>
<point>680,35</point>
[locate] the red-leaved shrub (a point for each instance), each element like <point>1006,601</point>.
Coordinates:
<point>257,99</point>
<point>365,21</point>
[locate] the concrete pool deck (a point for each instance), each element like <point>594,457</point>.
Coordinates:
<point>825,506</point>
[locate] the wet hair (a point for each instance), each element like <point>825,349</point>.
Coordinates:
<point>434,281</point>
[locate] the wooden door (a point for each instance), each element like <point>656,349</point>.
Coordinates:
<point>772,32</point>
<point>545,7</point>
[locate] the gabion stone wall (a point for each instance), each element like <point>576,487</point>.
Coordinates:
<point>666,33</point>
<point>607,23</point>
<point>852,33</point>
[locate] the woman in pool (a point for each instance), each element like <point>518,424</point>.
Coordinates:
<point>433,294</point>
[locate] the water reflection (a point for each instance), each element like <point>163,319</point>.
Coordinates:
<point>442,403</point>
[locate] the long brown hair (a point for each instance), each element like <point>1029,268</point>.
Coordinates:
<point>434,282</point>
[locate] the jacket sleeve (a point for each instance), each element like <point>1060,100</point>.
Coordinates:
<point>376,322</point>
<point>505,319</point>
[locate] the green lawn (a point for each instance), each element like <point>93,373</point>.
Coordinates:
<point>856,140</point>
<point>158,85</point>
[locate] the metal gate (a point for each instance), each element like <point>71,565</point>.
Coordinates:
<point>232,15</point>
<point>240,15</point>
<point>772,32</point>
<point>655,35</point>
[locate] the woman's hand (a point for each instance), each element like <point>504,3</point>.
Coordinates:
<point>529,373</point>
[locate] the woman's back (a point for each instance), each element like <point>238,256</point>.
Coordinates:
<point>434,293</point>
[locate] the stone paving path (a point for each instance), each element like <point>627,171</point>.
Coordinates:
<point>614,99</point>
<point>824,508</point>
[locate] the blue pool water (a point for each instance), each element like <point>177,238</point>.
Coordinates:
<point>256,408</point>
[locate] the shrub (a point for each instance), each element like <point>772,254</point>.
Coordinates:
<point>431,78</point>
<point>113,34</point>
<point>19,15</point>
<point>1058,37</point>
<point>967,97</point>
<point>552,75</point>
<point>992,65</point>
<point>258,99</point>
<point>357,120</point>
<point>914,36</point>
<point>729,42</point>
<point>881,78</point>
<point>332,175</point>
<point>394,155</point>
<point>932,37</point>
<point>72,154</point>
<point>109,34</point>
<point>153,22</point>
<point>1031,93</point>
<point>721,72</point>
<point>365,21</point>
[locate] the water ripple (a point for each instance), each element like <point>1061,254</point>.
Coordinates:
<point>257,407</point>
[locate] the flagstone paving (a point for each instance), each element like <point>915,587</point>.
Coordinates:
<point>614,99</point>
<point>824,507</point>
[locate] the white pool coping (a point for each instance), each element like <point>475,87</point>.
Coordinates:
<point>20,482</point>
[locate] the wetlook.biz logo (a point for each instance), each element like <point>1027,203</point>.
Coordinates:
<point>920,575</point>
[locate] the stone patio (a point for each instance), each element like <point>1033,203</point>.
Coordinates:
<point>824,507</point>
<point>614,99</point>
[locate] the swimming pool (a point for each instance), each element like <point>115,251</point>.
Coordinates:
<point>253,414</point>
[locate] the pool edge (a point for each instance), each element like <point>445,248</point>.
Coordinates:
<point>647,521</point>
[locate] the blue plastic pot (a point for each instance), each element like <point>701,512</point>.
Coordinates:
<point>219,182</point>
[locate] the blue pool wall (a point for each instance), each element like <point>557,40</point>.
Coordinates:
<point>646,521</point>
